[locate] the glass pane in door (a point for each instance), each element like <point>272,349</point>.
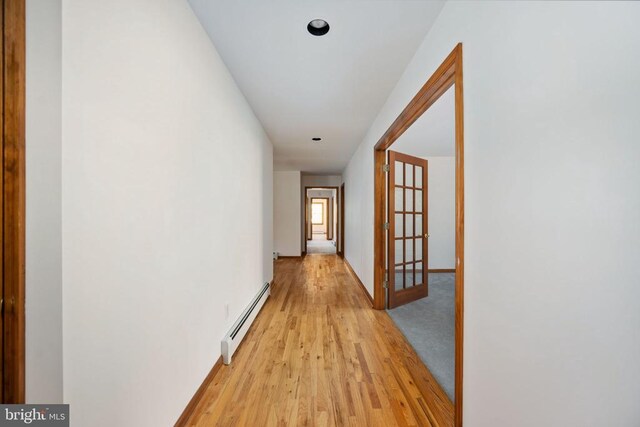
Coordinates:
<point>399,175</point>
<point>408,218</point>
<point>408,253</point>
<point>398,226</point>
<point>408,175</point>
<point>409,275</point>
<point>399,277</point>
<point>408,206</point>
<point>399,198</point>
<point>399,251</point>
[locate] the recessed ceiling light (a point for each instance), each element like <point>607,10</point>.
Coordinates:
<point>316,139</point>
<point>318,27</point>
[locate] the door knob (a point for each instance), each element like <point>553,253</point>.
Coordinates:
<point>426,236</point>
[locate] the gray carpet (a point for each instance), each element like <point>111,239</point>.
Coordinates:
<point>429,326</point>
<point>320,247</point>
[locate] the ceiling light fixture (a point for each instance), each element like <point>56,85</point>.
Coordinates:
<point>318,27</point>
<point>316,139</point>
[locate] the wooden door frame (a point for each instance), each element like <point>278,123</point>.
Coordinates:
<point>341,221</point>
<point>447,74</point>
<point>306,213</point>
<point>13,200</point>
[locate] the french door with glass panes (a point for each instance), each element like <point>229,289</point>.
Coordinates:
<point>407,232</point>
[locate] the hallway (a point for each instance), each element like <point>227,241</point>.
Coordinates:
<point>317,354</point>
<point>320,247</point>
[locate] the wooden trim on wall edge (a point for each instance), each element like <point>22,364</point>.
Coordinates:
<point>355,276</point>
<point>189,410</point>
<point>12,241</point>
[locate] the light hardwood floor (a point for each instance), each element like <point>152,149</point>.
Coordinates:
<point>318,354</point>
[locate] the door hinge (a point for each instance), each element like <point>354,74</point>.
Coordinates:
<point>385,282</point>
<point>386,168</point>
<point>385,225</point>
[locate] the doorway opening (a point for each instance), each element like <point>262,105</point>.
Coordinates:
<point>321,220</point>
<point>401,216</point>
<point>320,229</point>
<point>421,254</point>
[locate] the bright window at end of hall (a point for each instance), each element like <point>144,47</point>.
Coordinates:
<point>317,213</point>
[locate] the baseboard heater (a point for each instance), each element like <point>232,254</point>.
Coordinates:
<point>239,329</point>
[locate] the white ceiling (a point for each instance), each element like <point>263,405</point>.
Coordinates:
<point>433,134</point>
<point>301,86</point>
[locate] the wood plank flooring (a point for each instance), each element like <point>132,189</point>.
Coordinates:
<point>318,354</point>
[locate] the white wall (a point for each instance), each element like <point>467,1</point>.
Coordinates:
<point>157,237</point>
<point>442,212</point>
<point>552,303</point>
<point>286,211</point>
<point>43,372</point>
